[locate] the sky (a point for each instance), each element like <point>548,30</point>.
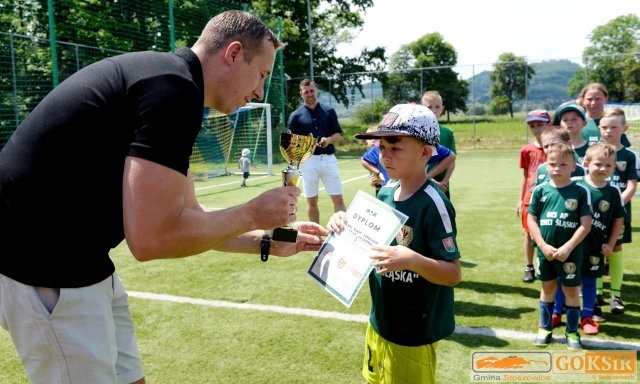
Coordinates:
<point>482,30</point>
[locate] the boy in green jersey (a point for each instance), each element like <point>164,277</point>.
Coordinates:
<point>613,124</point>
<point>559,219</point>
<point>552,135</point>
<point>412,283</point>
<point>433,101</point>
<point>572,118</point>
<point>608,219</point>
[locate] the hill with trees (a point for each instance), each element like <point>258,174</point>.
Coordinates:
<point>547,89</point>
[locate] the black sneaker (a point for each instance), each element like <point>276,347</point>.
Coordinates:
<point>616,305</point>
<point>528,276</point>
<point>598,316</point>
<point>600,301</point>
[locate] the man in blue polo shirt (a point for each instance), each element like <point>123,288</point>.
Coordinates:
<point>320,121</point>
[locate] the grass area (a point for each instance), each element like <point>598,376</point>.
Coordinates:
<point>482,133</point>
<point>182,342</point>
<point>486,132</point>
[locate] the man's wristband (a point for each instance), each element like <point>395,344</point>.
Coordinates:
<point>265,245</point>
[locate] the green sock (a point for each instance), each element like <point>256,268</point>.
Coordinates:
<point>616,272</point>
<point>599,285</point>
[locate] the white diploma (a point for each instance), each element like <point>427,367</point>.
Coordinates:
<point>342,264</point>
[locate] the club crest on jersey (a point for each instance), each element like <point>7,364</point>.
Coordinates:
<point>569,268</point>
<point>449,244</point>
<point>621,165</point>
<point>404,235</point>
<point>603,206</point>
<point>594,260</point>
<point>571,204</point>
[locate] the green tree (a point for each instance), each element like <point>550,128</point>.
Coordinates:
<point>397,85</point>
<point>509,80</point>
<point>423,65</point>
<point>631,73</point>
<point>372,114</point>
<point>611,59</point>
<point>331,23</point>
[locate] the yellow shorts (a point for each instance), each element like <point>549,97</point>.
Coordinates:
<point>389,363</point>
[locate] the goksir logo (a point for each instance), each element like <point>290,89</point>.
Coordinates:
<point>553,366</point>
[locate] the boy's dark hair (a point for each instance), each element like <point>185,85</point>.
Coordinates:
<point>395,139</point>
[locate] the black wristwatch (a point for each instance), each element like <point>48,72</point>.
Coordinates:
<point>265,245</point>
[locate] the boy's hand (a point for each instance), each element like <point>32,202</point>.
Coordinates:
<point>562,254</point>
<point>548,251</point>
<point>392,258</point>
<point>519,208</point>
<point>373,180</point>
<point>442,186</point>
<point>337,222</point>
<point>606,249</point>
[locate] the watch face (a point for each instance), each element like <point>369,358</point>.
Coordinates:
<point>265,245</point>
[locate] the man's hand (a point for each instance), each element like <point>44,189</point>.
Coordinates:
<point>323,142</point>
<point>310,238</point>
<point>275,207</point>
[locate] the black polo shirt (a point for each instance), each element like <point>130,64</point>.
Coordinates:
<point>322,121</point>
<point>61,171</point>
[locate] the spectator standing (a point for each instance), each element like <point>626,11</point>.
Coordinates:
<point>321,121</point>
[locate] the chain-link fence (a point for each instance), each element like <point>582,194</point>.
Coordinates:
<point>476,125</point>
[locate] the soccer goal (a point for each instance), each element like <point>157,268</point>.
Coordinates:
<point>220,142</point>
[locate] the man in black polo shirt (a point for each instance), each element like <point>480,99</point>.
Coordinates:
<point>320,121</point>
<point>104,157</point>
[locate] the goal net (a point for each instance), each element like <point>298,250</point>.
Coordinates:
<point>222,138</point>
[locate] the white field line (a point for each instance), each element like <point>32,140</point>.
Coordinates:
<point>498,333</point>
<point>229,183</point>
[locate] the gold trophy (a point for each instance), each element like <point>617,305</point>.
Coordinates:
<point>295,149</point>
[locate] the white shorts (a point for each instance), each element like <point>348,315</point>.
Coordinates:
<point>323,167</point>
<point>88,337</point>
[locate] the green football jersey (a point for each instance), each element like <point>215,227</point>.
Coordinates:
<point>626,169</point>
<point>607,205</point>
<point>591,132</point>
<point>407,309</point>
<point>558,211</point>
<point>581,152</point>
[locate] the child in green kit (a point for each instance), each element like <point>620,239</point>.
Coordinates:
<point>559,220</point>
<point>433,101</point>
<point>531,156</point>
<point>553,135</point>
<point>593,98</point>
<point>572,118</point>
<point>556,134</point>
<point>613,124</point>
<point>608,219</point>
<point>409,315</point>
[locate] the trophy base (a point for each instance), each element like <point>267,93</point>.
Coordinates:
<point>288,234</point>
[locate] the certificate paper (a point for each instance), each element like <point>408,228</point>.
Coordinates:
<point>342,264</point>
